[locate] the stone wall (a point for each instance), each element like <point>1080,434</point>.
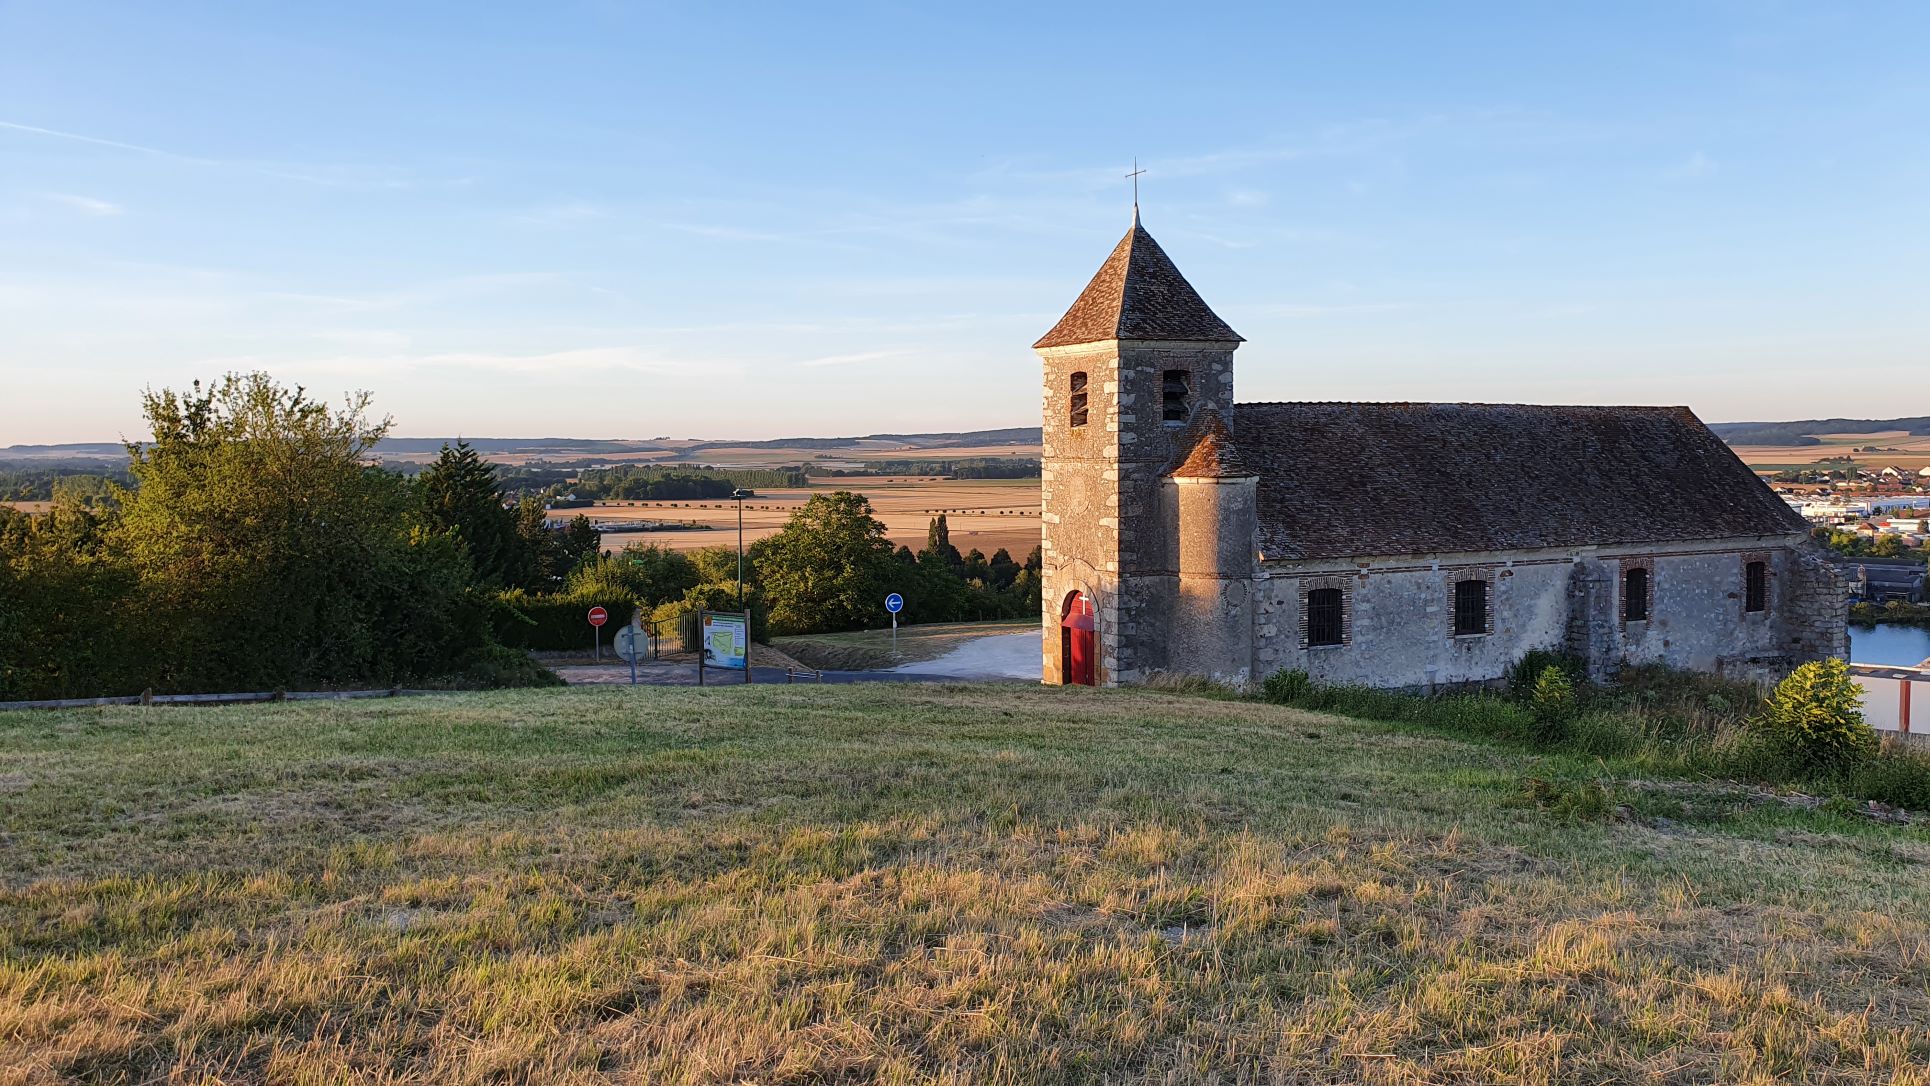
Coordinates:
<point>1106,527</point>
<point>1400,613</point>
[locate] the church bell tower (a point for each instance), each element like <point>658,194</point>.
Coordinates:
<point>1130,373</point>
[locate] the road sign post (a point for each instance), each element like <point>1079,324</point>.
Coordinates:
<point>894,603</point>
<point>598,616</point>
<point>631,642</point>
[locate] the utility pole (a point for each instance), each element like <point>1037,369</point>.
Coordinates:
<point>739,495</point>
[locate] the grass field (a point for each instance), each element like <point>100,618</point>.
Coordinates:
<point>866,650</point>
<point>983,884</point>
<point>986,514</point>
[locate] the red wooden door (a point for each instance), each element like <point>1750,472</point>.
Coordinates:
<point>1078,643</point>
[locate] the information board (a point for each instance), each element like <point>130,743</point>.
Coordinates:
<point>725,639</point>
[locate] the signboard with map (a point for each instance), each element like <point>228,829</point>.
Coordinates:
<point>725,640</point>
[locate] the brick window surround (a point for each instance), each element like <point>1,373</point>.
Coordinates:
<point>1635,595</point>
<point>1344,586</point>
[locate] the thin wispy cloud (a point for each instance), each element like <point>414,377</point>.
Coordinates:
<point>852,359</point>
<point>333,176</point>
<point>86,205</point>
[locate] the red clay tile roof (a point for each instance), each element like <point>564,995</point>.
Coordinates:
<point>1138,294</point>
<point>1213,455</point>
<point>1357,479</point>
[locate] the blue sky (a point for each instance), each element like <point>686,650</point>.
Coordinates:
<point>615,220</point>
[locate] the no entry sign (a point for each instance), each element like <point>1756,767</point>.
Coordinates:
<point>598,616</point>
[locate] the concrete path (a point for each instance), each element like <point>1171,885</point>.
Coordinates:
<point>686,675</point>
<point>998,656</point>
<point>1012,656</point>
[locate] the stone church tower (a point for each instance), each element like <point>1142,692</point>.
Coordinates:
<point>1136,372</point>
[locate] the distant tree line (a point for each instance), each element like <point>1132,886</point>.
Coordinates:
<point>1878,545</point>
<point>88,485</point>
<point>977,467</point>
<point>640,482</point>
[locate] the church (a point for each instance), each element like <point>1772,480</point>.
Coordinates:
<point>1400,545</point>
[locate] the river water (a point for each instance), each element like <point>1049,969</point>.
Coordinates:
<point>1903,646</point>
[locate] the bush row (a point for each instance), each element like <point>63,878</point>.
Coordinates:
<point>1806,735</point>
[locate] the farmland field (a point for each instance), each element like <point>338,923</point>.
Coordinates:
<point>923,884</point>
<point>1912,451</point>
<point>982,513</point>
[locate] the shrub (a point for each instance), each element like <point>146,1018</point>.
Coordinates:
<point>1529,669</point>
<point>1286,686</point>
<point>1817,715</point>
<point>1553,701</point>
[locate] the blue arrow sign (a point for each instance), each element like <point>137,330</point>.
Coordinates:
<point>894,603</point>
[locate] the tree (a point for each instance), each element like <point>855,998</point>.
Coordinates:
<point>579,542</point>
<point>268,553</point>
<point>539,551</point>
<point>460,495</point>
<point>938,541</point>
<point>829,568</point>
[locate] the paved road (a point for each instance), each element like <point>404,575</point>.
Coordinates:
<point>658,674</point>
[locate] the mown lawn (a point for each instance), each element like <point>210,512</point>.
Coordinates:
<point>987,884</point>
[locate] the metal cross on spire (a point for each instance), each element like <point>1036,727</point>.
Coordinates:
<point>1134,176</point>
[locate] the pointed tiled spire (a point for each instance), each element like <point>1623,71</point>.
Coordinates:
<point>1138,294</point>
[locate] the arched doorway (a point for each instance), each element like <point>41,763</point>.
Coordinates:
<point>1078,641</point>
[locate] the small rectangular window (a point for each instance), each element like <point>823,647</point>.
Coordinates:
<point>1175,389</point>
<point>1755,586</point>
<point>1470,607</point>
<point>1324,625</point>
<point>1077,414</point>
<point>1635,595</point>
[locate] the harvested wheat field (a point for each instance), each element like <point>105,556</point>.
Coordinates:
<point>986,514</point>
<point>960,884</point>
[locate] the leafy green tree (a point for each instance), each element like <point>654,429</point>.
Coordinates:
<point>268,552</point>
<point>460,495</point>
<point>539,550</point>
<point>578,543</point>
<point>938,541</point>
<point>829,568</point>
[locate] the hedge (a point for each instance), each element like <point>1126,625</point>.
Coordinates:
<point>557,623</point>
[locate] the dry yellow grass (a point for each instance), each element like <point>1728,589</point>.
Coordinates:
<point>958,884</point>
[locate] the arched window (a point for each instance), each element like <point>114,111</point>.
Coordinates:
<point>1175,392</point>
<point>1635,595</point>
<point>1755,586</point>
<point>1325,625</point>
<point>1076,415</point>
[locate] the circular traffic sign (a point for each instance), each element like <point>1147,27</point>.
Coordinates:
<point>632,644</point>
<point>598,616</point>
<point>894,603</point>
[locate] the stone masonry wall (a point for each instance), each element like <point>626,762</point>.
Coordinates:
<point>1400,613</point>
<point>1105,529</point>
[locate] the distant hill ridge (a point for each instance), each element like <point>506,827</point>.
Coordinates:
<point>683,449</point>
<point>1803,433</point>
